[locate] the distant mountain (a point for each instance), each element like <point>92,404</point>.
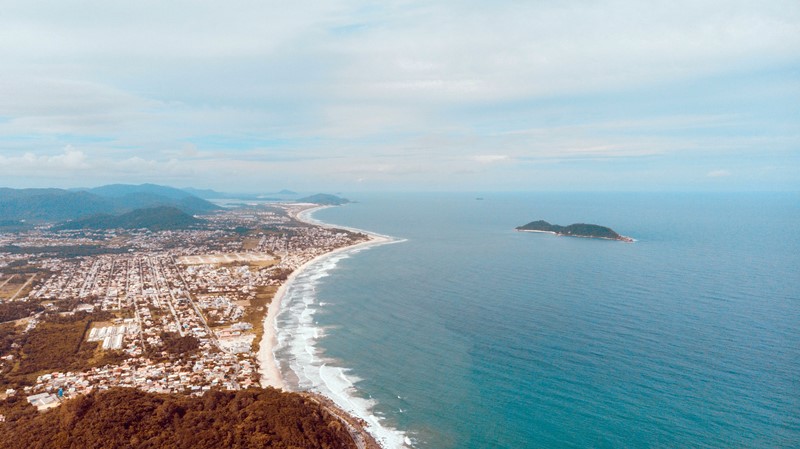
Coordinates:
<point>210,194</point>
<point>324,199</point>
<point>574,230</point>
<point>50,204</point>
<point>55,205</point>
<point>207,194</point>
<point>122,190</point>
<point>155,219</point>
<point>152,195</point>
<point>189,204</point>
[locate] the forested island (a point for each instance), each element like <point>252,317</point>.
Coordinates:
<point>574,230</point>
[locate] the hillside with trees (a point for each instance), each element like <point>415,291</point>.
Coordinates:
<point>56,205</point>
<point>155,219</point>
<point>128,418</point>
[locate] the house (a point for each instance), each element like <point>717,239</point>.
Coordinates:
<point>44,401</point>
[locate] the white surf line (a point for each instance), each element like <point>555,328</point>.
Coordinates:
<point>387,437</point>
<point>305,216</point>
<point>267,359</point>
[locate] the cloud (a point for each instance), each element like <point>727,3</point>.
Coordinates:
<point>720,173</point>
<point>513,50</point>
<point>490,158</point>
<point>70,160</point>
<point>316,89</point>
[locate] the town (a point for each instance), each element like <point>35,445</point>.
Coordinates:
<point>172,311</point>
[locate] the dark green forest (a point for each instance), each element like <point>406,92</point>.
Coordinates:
<point>128,418</point>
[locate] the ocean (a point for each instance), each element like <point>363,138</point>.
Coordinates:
<point>464,333</point>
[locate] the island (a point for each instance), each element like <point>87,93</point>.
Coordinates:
<point>575,230</point>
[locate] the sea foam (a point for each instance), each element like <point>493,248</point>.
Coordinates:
<point>301,362</point>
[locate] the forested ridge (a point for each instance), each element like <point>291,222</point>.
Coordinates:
<point>128,418</point>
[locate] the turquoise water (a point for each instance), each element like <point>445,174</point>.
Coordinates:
<point>471,335</point>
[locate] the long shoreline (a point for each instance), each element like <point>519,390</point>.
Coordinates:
<point>267,364</point>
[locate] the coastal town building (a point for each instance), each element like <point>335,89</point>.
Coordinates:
<point>181,311</point>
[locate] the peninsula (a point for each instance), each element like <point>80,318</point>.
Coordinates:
<point>575,230</point>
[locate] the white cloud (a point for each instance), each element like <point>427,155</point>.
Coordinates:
<point>68,161</point>
<point>490,158</point>
<point>402,87</point>
<point>513,49</point>
<point>720,173</point>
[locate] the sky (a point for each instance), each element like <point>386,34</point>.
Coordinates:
<point>348,95</point>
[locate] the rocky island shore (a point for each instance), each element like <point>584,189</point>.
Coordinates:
<point>575,230</point>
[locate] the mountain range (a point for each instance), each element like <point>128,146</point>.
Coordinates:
<point>56,205</point>
<point>158,218</point>
<point>209,194</point>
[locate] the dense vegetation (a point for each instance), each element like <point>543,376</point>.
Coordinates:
<point>55,344</point>
<point>576,230</point>
<point>174,344</point>
<point>14,310</point>
<point>126,418</point>
<point>9,334</point>
<point>155,219</point>
<point>54,205</point>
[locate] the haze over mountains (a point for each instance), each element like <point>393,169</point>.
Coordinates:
<point>210,194</point>
<point>150,206</point>
<point>55,205</point>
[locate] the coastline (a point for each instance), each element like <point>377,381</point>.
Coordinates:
<point>267,364</point>
<point>366,428</point>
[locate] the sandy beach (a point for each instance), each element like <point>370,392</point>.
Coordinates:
<point>268,367</point>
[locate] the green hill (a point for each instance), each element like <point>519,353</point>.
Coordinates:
<point>132,196</point>
<point>121,190</point>
<point>56,205</point>
<point>128,418</point>
<point>574,230</point>
<point>50,204</point>
<point>160,218</point>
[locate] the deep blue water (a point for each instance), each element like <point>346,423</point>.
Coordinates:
<point>471,335</point>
